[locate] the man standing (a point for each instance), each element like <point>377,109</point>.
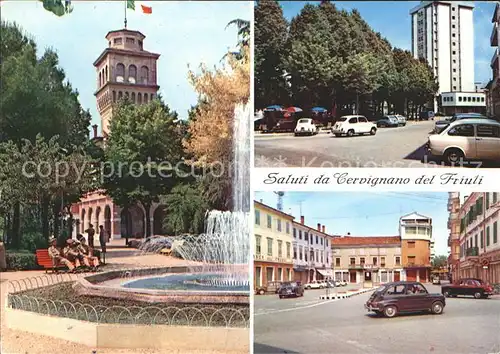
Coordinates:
<point>102,241</point>
<point>90,235</point>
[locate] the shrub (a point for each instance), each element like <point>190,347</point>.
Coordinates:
<point>21,260</point>
<point>33,241</point>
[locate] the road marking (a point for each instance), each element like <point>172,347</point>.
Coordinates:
<point>294,308</point>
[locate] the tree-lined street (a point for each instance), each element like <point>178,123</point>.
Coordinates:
<point>391,147</point>
<point>310,325</point>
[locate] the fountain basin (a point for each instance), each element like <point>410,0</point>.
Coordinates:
<point>163,285</point>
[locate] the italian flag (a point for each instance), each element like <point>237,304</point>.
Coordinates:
<point>139,6</point>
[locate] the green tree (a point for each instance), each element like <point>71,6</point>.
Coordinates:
<point>142,153</point>
<point>58,7</point>
<point>186,207</point>
<point>439,261</point>
<point>269,39</point>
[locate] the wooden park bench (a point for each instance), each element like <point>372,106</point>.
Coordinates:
<point>43,259</point>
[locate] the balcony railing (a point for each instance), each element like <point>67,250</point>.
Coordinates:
<point>356,266</point>
<point>472,252</point>
<point>494,58</point>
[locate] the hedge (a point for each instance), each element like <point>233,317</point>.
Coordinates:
<point>21,260</point>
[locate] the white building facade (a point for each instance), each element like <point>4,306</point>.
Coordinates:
<point>312,252</point>
<point>443,34</point>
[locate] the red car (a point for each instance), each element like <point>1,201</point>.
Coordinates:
<point>468,287</point>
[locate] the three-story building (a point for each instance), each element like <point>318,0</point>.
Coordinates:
<point>273,245</point>
<point>367,260</point>
<point>479,241</point>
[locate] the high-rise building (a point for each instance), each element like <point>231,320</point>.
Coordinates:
<point>124,69</point>
<point>494,85</point>
<point>443,34</point>
<point>454,236</point>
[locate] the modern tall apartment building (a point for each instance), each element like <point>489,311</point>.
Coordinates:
<point>494,85</point>
<point>443,34</point>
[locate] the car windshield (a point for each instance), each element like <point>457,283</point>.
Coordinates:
<point>303,121</point>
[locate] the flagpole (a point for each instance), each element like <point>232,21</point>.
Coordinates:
<point>125,14</point>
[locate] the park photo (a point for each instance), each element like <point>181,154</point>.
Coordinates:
<point>376,84</point>
<point>125,130</point>
<point>376,272</point>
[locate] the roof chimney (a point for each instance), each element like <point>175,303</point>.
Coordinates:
<point>94,127</point>
<point>302,219</point>
<point>319,227</point>
<point>323,230</point>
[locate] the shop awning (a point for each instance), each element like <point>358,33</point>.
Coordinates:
<point>325,272</point>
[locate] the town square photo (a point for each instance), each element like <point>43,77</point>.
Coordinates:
<point>376,272</point>
<point>125,131</point>
<point>342,84</point>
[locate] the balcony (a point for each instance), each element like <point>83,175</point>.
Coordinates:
<point>494,36</point>
<point>472,252</point>
<point>356,266</point>
<point>494,59</point>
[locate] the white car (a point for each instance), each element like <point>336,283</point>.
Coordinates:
<point>305,126</point>
<point>315,284</point>
<point>401,119</point>
<point>477,139</point>
<point>351,125</point>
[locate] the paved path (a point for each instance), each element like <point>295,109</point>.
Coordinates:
<point>344,326</point>
<point>390,147</point>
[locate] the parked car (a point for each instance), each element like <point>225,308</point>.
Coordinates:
<point>388,121</point>
<point>342,282</point>
<point>404,296</point>
<point>443,123</point>
<point>289,289</point>
<point>401,119</point>
<point>467,139</point>
<point>468,287</point>
<point>436,281</point>
<point>306,126</point>
<point>351,125</point>
<point>315,284</point>
<point>271,287</point>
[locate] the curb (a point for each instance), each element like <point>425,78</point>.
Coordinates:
<point>345,295</point>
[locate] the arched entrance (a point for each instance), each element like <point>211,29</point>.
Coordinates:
<point>83,222</point>
<point>107,222</point>
<point>90,218</point>
<point>132,222</point>
<point>97,216</point>
<point>158,217</point>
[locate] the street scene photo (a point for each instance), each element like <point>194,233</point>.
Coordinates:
<point>337,84</point>
<point>125,131</point>
<point>387,272</point>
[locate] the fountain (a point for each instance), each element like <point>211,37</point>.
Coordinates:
<point>217,261</point>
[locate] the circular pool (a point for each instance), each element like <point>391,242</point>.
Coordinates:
<point>189,282</point>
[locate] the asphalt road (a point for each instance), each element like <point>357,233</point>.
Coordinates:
<point>308,325</point>
<point>390,147</point>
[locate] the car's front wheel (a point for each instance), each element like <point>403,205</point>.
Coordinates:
<point>453,156</point>
<point>261,292</point>
<point>373,131</point>
<point>478,294</point>
<point>437,308</point>
<point>390,311</point>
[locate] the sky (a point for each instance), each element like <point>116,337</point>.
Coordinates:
<point>393,21</point>
<point>365,214</point>
<point>184,33</point>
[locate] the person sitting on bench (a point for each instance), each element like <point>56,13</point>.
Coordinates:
<point>85,250</point>
<point>71,253</point>
<point>56,255</point>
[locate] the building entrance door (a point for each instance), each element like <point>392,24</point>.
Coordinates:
<point>352,277</point>
<point>411,275</point>
<point>368,276</point>
<point>397,276</point>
